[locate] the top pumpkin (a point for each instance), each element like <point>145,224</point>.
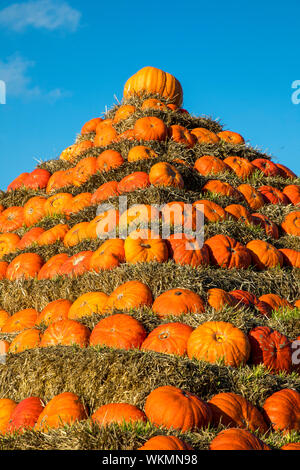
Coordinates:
<point>152,80</point>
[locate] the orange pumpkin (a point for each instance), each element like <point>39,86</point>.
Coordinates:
<point>37,179</point>
<point>3,269</point>
<point>253,197</point>
<point>20,321</point>
<point>34,210</point>
<point>187,250</point>
<point>285,172</point>
<point>264,255</point>
<point>152,103</point>
<point>124,112</point>
<point>291,446</point>
<point>119,413</point>
<point>88,304</point>
<point>76,234</point>
<point>60,179</point>
<point>178,302</point>
<point>26,265</point>
<point>76,265</point>
<point>90,126</point>
<point>108,160</point>
<point>270,348</point>
<point>292,192</point>
<point>105,135</point>
<point>150,128</point>
<point>205,136</point>
<point>18,182</point>
<point>140,152</point>
<point>237,439</point>
<point>283,410</point>
<point>73,151</point>
<point>227,252</point>
<point>30,237</point>
<point>131,294</point>
<point>105,191</point>
<point>182,135</point>
<point>4,316</point>
<point>165,174</point>
<point>110,255</point>
<point>291,224</point>
<point>118,331</point>
<point>132,182</point>
<point>66,333</point>
<point>51,268</point>
<point>55,205</point>
<point>222,188</point>
<point>210,165</point>
<point>136,217</point>
<point>239,212</point>
<point>27,339</point>
<point>290,257</point>
<point>170,338</point>
<point>219,299</point>
<point>171,407</point>
<point>165,443</point>
<point>241,166</point>
<point>84,169</point>
<point>103,224</point>
<point>153,80</point>
<point>212,211</point>
<point>275,301</point>
<point>64,409</point>
<point>53,235</point>
<point>25,415</point>
<point>144,246</point>
<point>79,202</point>
<point>54,311</point>
<point>272,195</point>
<point>231,137</point>
<point>11,219</point>
<point>267,167</point>
<point>8,243</point>
<point>7,407</point>
<point>219,341</point>
<point>234,410</point>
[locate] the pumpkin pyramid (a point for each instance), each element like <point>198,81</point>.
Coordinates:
<point>133,339</point>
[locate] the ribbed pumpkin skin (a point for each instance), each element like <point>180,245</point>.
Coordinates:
<point>227,252</point>
<point>141,246</point>
<point>292,191</point>
<point>25,415</point>
<point>54,311</point>
<point>283,410</point>
<point>290,257</point>
<point>118,331</point>
<point>169,338</point>
<point>118,413</point>
<point>3,269</point>
<point>172,407</point>
<point>214,341</point>
<point>20,321</point>
<point>66,333</point>
<point>151,80</point>
<point>7,407</point>
<point>187,251</point>
<point>165,443</point>
<point>270,348</point>
<point>177,302</point>
<point>212,211</point>
<point>291,446</point>
<point>235,411</point>
<point>52,267</point>
<point>131,294</point>
<point>264,255</point>
<point>87,305</point>
<point>219,299</point>
<point>34,210</point>
<point>63,409</point>
<point>8,243</point>
<point>24,266</point>
<point>27,339</point>
<point>165,174</point>
<point>237,439</point>
<point>291,224</point>
<point>30,237</point>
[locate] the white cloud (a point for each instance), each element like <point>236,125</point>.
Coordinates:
<point>48,14</point>
<point>15,73</point>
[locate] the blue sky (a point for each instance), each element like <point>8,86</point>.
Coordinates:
<point>64,61</point>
